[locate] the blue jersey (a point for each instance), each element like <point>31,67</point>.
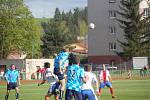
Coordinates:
<point>12,75</point>
<point>74,77</point>
<point>63,56</point>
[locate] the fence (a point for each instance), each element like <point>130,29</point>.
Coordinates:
<point>115,74</point>
<point>128,74</point>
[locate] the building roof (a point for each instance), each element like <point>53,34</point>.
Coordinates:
<point>79,48</point>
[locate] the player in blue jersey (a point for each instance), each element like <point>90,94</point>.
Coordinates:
<point>75,77</point>
<point>60,64</point>
<point>13,81</point>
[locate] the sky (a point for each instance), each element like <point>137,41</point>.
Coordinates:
<point>46,8</point>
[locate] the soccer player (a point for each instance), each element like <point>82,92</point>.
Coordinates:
<point>106,80</point>
<point>60,64</point>
<point>87,89</point>
<point>75,76</point>
<point>13,81</point>
<point>48,76</point>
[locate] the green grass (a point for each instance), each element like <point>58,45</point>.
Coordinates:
<point>124,90</point>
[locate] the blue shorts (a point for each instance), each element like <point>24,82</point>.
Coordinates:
<point>59,75</point>
<point>107,83</point>
<point>11,85</point>
<point>54,89</point>
<point>72,93</point>
<point>88,94</point>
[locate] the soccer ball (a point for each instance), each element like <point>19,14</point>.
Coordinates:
<point>92,25</point>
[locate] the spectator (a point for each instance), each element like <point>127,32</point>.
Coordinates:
<point>33,76</point>
<point>141,72</point>
<point>145,70</point>
<point>42,72</point>
<point>38,72</point>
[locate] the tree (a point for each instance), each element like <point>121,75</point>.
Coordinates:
<point>71,25</point>
<point>134,28</point>
<point>62,30</point>
<point>18,29</point>
<point>63,16</point>
<point>57,16</point>
<point>82,28</point>
<point>55,38</point>
<point>80,21</point>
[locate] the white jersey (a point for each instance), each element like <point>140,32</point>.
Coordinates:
<point>48,72</point>
<point>48,76</point>
<point>104,76</point>
<point>91,79</point>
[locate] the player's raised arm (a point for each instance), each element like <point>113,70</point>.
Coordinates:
<point>6,76</point>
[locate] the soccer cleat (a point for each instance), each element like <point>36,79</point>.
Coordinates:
<point>113,96</point>
<point>60,98</point>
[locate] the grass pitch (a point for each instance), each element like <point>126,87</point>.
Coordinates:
<point>124,90</point>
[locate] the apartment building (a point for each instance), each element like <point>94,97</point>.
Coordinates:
<point>103,39</point>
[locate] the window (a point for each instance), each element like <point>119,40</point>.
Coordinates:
<point>112,46</point>
<point>112,1</point>
<point>112,14</point>
<point>146,12</point>
<point>112,29</point>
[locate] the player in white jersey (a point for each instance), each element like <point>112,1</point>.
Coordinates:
<point>87,89</point>
<point>49,77</point>
<point>106,80</point>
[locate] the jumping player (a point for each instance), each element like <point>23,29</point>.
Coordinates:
<point>106,80</point>
<point>60,64</point>
<point>13,81</point>
<point>87,89</point>
<point>48,76</point>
